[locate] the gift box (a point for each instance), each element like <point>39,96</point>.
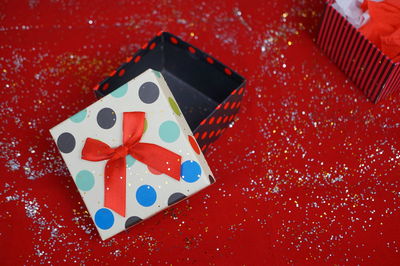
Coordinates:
<point>132,154</point>
<point>364,63</point>
<point>208,92</point>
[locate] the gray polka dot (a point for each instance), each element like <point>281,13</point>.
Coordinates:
<point>66,142</point>
<point>106,118</point>
<point>149,92</point>
<point>175,198</point>
<point>132,221</point>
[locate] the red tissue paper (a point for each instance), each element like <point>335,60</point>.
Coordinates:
<point>383,27</point>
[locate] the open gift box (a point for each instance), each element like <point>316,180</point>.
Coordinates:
<point>208,92</point>
<point>364,63</point>
<point>132,154</point>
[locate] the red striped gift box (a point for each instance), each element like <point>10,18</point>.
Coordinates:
<point>365,64</point>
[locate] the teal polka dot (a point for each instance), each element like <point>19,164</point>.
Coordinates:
<point>158,74</point>
<point>169,131</point>
<point>79,117</point>
<point>130,160</point>
<point>84,180</point>
<point>121,91</point>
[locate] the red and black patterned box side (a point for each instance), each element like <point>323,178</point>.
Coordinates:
<point>211,128</point>
<point>126,71</point>
<point>365,64</point>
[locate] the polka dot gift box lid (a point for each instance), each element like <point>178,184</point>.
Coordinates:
<point>132,154</point>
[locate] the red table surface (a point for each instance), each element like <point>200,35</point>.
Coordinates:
<point>308,172</point>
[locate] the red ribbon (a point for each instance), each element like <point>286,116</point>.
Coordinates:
<point>152,155</point>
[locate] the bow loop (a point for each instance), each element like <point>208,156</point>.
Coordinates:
<point>154,156</point>
<point>133,127</point>
<point>96,150</point>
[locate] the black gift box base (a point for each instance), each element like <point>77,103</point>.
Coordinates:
<point>207,92</point>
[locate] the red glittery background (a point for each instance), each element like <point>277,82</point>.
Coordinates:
<point>308,172</point>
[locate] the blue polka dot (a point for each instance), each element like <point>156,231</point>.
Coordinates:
<point>190,171</point>
<point>104,219</point>
<point>130,160</point>
<point>84,180</point>
<point>121,91</point>
<point>169,131</point>
<point>146,195</point>
<point>79,117</point>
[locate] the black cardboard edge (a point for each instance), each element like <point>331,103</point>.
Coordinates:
<point>161,38</point>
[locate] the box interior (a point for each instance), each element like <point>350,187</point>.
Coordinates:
<point>197,86</point>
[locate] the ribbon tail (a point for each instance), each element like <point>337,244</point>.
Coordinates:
<point>96,150</point>
<point>158,158</point>
<point>115,185</point>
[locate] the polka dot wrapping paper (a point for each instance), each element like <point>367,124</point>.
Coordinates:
<point>148,190</point>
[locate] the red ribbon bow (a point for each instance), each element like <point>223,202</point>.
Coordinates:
<point>152,155</point>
